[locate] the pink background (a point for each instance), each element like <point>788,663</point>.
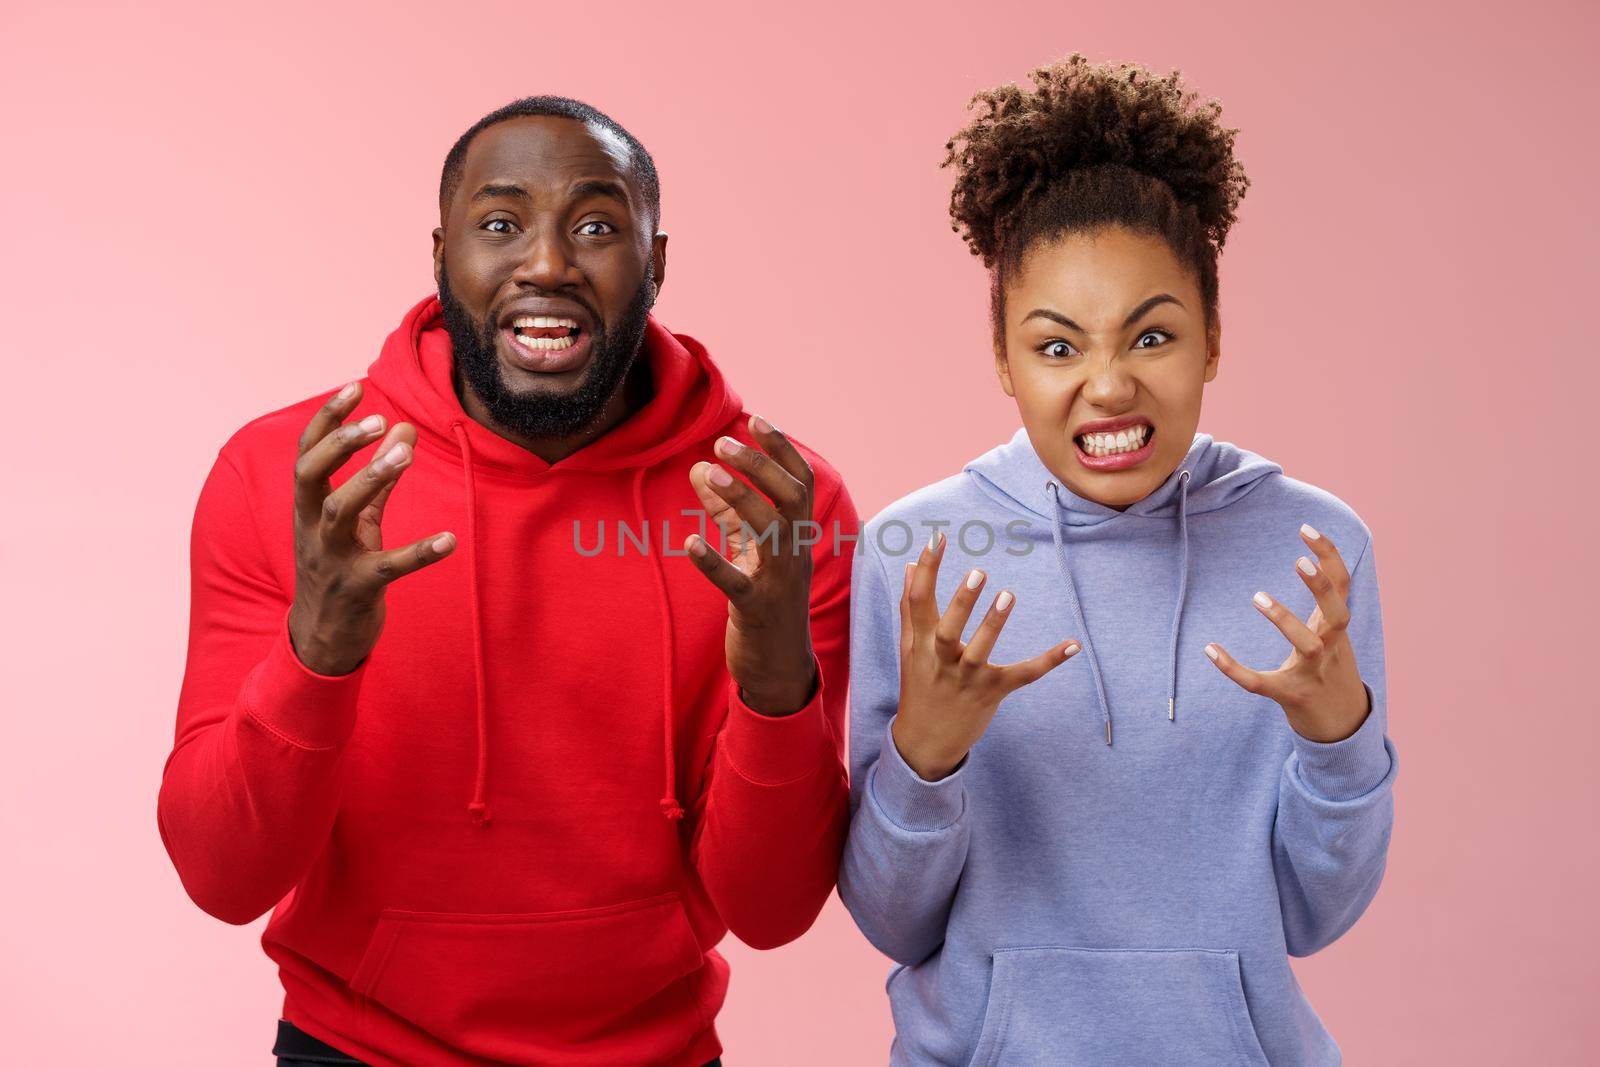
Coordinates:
<point>211,214</point>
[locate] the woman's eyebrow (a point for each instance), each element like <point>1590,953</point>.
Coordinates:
<point>1133,316</point>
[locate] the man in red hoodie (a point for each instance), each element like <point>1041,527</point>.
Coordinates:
<point>471,702</point>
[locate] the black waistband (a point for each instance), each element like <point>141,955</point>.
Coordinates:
<point>295,1044</point>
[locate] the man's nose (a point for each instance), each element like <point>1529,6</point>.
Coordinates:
<point>546,263</point>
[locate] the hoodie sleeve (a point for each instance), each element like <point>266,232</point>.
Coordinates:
<point>908,836</point>
<point>249,792</point>
<point>1336,801</point>
<point>767,841</point>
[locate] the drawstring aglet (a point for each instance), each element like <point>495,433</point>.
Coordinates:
<point>1108,731</point>
<point>1172,709</point>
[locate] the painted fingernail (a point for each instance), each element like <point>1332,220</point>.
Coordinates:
<point>371,424</point>
<point>346,393</point>
<point>760,425</point>
<point>974,579</point>
<point>1262,600</point>
<point>1307,529</point>
<point>1211,652</point>
<point>1070,650</point>
<point>395,456</point>
<point>444,542</point>
<point>1307,568</point>
<point>697,545</point>
<point>719,477</point>
<point>935,541</point>
<point>1004,601</point>
<point>728,446</point>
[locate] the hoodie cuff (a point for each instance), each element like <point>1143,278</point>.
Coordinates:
<point>1345,770</point>
<point>910,801</point>
<point>778,749</point>
<point>298,705</point>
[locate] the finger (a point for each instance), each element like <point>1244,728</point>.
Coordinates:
<point>752,509</point>
<point>1289,625</point>
<point>988,631</point>
<point>384,567</point>
<point>342,507</point>
<point>905,613</point>
<point>924,608</point>
<point>791,498</point>
<point>1328,557</point>
<point>329,415</point>
<point>717,509</point>
<point>316,465</point>
<point>1250,681</point>
<point>783,452</point>
<point>1017,675</point>
<point>734,583</point>
<point>947,635</point>
<point>1330,600</point>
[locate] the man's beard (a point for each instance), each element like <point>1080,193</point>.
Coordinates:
<point>538,414</point>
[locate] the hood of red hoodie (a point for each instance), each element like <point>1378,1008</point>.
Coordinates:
<point>691,400</point>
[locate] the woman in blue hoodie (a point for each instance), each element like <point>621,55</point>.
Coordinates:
<point>1115,866</point>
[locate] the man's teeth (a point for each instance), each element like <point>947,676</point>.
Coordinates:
<point>545,344</point>
<point>1110,444</point>
<point>543,322</point>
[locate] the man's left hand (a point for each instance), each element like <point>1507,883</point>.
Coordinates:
<point>767,527</point>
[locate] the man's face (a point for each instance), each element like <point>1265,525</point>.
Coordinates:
<point>548,264</point>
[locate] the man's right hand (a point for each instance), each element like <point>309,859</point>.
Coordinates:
<point>341,567</point>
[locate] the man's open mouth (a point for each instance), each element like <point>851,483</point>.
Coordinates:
<point>545,333</point>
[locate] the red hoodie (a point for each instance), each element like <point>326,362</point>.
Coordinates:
<point>473,844</point>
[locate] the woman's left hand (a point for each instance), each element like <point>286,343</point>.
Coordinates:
<point>1318,686</point>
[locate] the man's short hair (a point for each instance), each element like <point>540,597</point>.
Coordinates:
<point>644,168</point>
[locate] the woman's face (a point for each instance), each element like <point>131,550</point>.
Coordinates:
<point>1106,355</point>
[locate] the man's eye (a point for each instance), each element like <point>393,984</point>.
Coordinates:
<point>596,229</point>
<point>1156,339</point>
<point>1057,350</point>
<point>509,226</point>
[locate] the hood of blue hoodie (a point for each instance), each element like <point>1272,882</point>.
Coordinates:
<point>1212,475</point>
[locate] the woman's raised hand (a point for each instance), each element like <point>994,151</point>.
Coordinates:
<point>1318,686</point>
<point>949,691</point>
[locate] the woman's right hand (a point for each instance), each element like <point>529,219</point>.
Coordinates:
<point>949,691</point>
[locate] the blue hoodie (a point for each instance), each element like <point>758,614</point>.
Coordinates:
<point>1120,869</point>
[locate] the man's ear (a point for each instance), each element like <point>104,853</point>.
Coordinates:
<point>438,256</point>
<point>658,258</point>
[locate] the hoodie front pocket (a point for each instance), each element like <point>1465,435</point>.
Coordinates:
<point>1088,1006</point>
<point>546,984</point>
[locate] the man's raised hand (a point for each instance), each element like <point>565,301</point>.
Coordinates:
<point>341,566</point>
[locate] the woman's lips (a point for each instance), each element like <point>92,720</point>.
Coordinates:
<point>549,360</point>
<point>1116,461</point>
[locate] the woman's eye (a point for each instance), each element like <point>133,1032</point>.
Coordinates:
<point>1152,339</point>
<point>1057,350</point>
<point>596,229</point>
<point>509,226</point>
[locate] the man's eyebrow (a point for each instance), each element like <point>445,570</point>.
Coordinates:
<point>492,190</point>
<point>601,187</point>
<point>1133,316</point>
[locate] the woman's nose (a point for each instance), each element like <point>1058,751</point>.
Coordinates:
<point>1108,383</point>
